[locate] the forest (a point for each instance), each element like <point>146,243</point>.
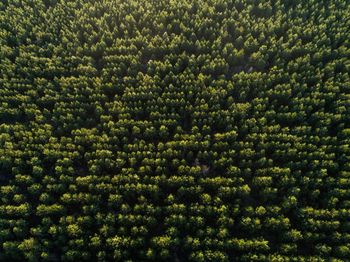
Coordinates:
<point>179,130</point>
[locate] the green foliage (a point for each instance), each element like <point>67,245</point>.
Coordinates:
<point>174,130</point>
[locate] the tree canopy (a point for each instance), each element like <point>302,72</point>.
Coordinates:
<point>204,130</point>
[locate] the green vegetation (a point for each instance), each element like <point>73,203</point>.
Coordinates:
<point>153,130</point>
